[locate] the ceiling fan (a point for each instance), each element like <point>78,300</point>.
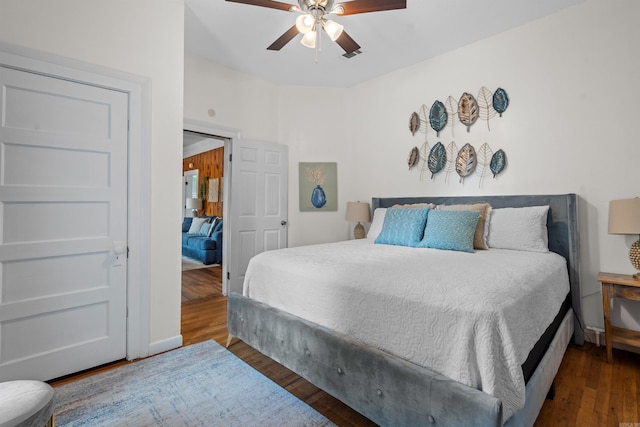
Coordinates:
<point>313,15</point>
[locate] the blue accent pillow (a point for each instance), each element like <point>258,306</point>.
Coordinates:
<point>204,230</point>
<point>450,230</point>
<point>403,226</point>
<point>214,223</point>
<point>186,224</point>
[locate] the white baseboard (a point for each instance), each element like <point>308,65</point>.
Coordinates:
<point>165,345</point>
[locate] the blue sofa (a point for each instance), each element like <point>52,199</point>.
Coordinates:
<point>204,244</point>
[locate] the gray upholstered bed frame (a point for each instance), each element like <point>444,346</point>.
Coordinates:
<point>387,389</point>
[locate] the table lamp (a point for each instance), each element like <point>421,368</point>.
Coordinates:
<point>358,212</point>
<point>624,218</point>
<point>194,205</point>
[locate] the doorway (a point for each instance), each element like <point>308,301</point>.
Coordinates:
<point>203,196</point>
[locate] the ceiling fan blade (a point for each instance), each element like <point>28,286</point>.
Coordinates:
<point>284,39</point>
<point>265,3</point>
<point>364,6</point>
<point>347,43</point>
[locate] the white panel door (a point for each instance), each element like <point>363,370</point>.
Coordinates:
<point>63,219</point>
<point>258,206</point>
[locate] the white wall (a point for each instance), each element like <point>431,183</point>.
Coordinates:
<point>311,123</point>
<point>142,37</point>
<point>240,101</point>
<point>309,120</point>
<point>571,127</point>
<point>573,83</point>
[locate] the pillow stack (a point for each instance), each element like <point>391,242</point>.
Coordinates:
<point>200,226</point>
<point>461,227</point>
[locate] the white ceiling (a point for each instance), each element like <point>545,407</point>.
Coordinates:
<point>237,35</point>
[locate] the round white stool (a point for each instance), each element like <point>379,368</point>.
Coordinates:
<point>26,403</point>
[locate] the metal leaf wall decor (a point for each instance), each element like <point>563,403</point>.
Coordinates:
<point>484,154</point>
<point>414,123</point>
<point>500,100</point>
<point>467,110</point>
<point>451,104</point>
<point>424,117</point>
<point>414,157</point>
<point>466,161</point>
<point>437,158</point>
<point>424,154</point>
<point>485,103</point>
<point>498,162</point>
<point>452,155</point>
<point>438,117</point>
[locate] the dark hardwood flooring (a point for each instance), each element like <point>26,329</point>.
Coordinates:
<point>589,391</point>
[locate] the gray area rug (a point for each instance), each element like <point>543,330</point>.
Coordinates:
<point>199,385</point>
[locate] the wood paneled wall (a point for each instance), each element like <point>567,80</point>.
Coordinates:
<point>210,164</point>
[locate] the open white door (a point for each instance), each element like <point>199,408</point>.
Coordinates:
<point>258,204</point>
<point>63,225</point>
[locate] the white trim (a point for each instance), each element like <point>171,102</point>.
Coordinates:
<point>231,134</point>
<point>201,147</point>
<point>165,345</point>
<point>139,93</point>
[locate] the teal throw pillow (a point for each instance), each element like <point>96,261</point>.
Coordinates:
<point>403,226</point>
<point>204,230</point>
<point>450,230</point>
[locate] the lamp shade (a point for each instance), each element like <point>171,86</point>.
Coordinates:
<point>305,23</point>
<point>333,29</point>
<point>194,203</point>
<point>358,212</point>
<point>309,39</point>
<point>624,216</point>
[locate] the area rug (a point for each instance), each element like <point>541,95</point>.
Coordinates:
<point>199,385</point>
<point>192,264</point>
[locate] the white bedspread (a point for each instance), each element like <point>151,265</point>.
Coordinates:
<point>473,317</point>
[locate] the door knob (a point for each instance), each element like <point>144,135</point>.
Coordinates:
<point>283,222</point>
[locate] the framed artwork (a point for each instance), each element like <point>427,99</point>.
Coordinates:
<point>213,190</point>
<point>318,186</point>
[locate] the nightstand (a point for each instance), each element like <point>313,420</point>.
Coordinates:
<point>618,286</point>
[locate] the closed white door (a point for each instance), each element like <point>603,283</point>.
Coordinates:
<point>258,205</point>
<point>63,225</point>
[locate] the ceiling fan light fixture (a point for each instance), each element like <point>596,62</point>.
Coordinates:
<point>333,29</point>
<point>309,39</point>
<point>337,9</point>
<point>305,23</point>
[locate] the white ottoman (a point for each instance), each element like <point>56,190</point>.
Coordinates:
<point>26,403</point>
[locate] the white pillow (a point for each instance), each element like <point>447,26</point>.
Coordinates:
<point>376,223</point>
<point>196,225</point>
<point>522,229</point>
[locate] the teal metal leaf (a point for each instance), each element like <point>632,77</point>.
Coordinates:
<point>500,101</point>
<point>437,158</point>
<point>438,117</point>
<point>498,162</point>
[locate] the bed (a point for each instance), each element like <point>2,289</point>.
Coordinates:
<point>391,377</point>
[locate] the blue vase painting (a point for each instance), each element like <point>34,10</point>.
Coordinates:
<point>318,186</point>
<point>318,198</point>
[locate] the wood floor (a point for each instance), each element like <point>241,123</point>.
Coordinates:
<point>589,391</point>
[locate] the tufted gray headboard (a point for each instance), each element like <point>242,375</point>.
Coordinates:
<point>562,224</point>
